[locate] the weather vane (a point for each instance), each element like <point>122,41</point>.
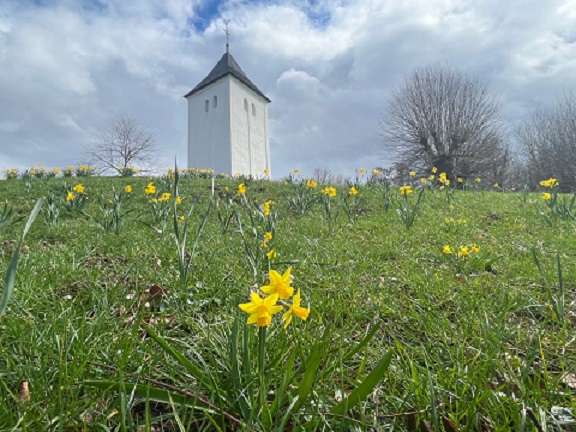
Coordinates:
<point>226,21</point>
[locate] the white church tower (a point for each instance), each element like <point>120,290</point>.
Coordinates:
<point>228,122</point>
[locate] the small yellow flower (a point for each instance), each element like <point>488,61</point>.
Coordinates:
<point>330,191</point>
<point>279,284</point>
<point>496,185</point>
<point>434,170</point>
<point>406,190</point>
<point>412,173</point>
<point>70,196</point>
<point>460,180</point>
<point>551,182</point>
<point>462,221</point>
<point>362,171</point>
<point>128,189</point>
<point>241,189</point>
<point>311,184</point>
<point>353,191</point>
<point>464,251</point>
<point>475,248</point>
<point>478,180</point>
<point>376,172</point>
<point>150,189</point>
<point>267,171</point>
<point>261,310</point>
<point>264,245</point>
<point>295,309</point>
<point>178,200</point>
<point>296,170</point>
<point>447,250</point>
<point>268,236</point>
<point>431,177</point>
<point>182,218</point>
<point>154,201</point>
<point>546,196</point>
<point>78,188</point>
<point>423,180</point>
<point>272,254</point>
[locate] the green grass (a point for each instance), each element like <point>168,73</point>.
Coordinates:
<point>474,344</point>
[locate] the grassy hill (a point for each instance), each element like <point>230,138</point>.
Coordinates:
<point>445,325</point>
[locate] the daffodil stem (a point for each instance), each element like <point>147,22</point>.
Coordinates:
<point>261,360</point>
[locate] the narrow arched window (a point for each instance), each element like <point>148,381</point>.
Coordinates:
<point>245,105</point>
<point>253,109</point>
<point>206,105</point>
<point>215,102</point>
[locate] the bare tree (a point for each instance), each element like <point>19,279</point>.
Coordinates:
<point>123,144</point>
<point>548,141</point>
<point>441,117</point>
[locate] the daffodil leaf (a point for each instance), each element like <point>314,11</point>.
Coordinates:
<point>366,387</point>
<point>11,273</point>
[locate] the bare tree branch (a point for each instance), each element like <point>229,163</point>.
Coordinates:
<point>123,144</point>
<point>548,141</point>
<point>441,117</point>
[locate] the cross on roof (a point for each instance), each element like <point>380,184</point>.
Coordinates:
<point>226,21</point>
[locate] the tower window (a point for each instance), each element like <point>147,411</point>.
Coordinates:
<point>253,109</point>
<point>215,102</point>
<point>245,105</point>
<point>206,105</point>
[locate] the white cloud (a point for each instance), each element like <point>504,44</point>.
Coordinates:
<point>328,68</point>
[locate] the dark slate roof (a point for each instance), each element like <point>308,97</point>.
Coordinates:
<point>226,66</point>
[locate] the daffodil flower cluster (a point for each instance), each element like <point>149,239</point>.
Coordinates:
<point>463,252</point>
<point>406,190</point>
<point>280,287</point>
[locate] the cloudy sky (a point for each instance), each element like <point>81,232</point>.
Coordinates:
<point>67,66</point>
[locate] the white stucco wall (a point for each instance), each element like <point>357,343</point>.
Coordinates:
<point>228,138</point>
<point>249,127</point>
<point>209,131</point>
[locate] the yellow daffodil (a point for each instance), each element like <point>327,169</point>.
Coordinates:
<point>434,170</point>
<point>70,196</point>
<point>475,248</point>
<point>551,182</point>
<point>330,191</point>
<point>241,189</point>
<point>431,177</point>
<point>261,310</point>
<point>460,180</point>
<point>267,171</point>
<point>496,185</point>
<point>268,236</point>
<point>478,180</point>
<point>272,254</point>
<point>546,196</point>
<point>165,197</point>
<point>406,190</point>
<point>311,184</point>
<point>353,191</point>
<point>464,251</point>
<point>128,189</point>
<point>447,250</point>
<point>412,173</point>
<point>279,284</point>
<point>423,180</point>
<point>376,172</point>
<point>362,171</point>
<point>182,218</point>
<point>150,189</point>
<point>78,188</point>
<point>178,200</point>
<point>295,309</point>
<point>264,245</point>
<point>296,170</point>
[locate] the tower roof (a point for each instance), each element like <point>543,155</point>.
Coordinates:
<point>226,66</point>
